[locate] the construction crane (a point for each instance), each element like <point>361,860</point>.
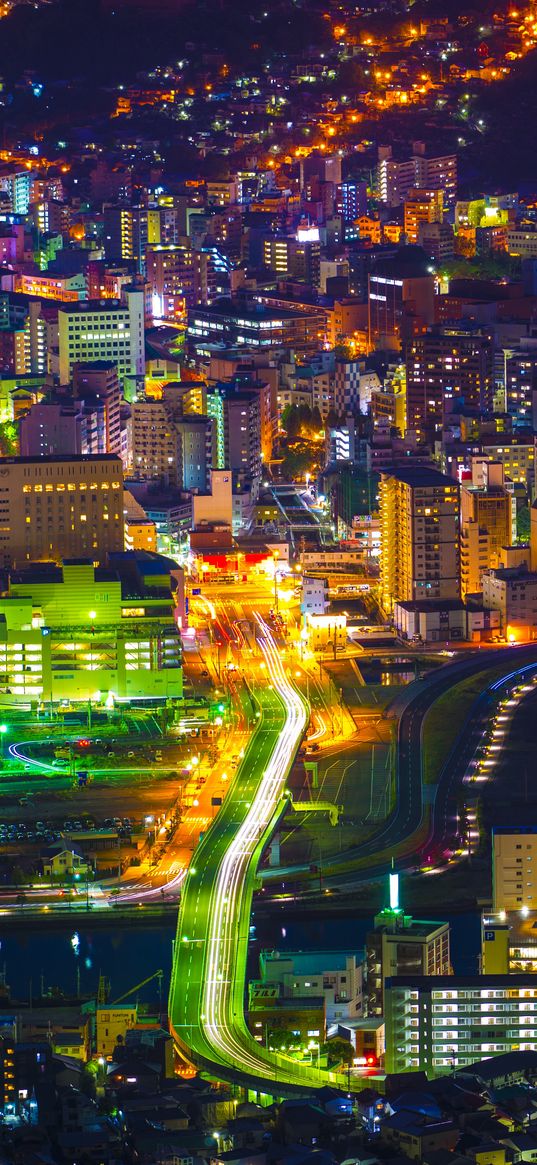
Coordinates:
<point>156,975</point>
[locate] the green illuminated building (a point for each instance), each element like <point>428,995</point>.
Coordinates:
<point>77,632</point>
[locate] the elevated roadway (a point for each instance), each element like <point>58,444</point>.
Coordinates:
<point>210,952</point>
<point>206,1004</point>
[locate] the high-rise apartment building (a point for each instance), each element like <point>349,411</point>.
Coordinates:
<point>434,1024</point>
<point>16,188</point>
<point>179,276</point>
<point>243,432</point>
<point>170,444</point>
<point>422,206</point>
<point>60,507</point>
<point>419,516</point>
<point>128,230</point>
<point>294,258</point>
<point>520,382</point>
<point>447,368</point>
<point>104,331</point>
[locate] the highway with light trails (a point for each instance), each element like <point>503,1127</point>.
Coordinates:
<point>207,989</point>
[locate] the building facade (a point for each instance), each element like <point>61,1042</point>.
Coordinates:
<point>60,507</point>
<point>419,517</point>
<point>437,1024</point>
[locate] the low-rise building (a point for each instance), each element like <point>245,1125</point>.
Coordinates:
<point>335,975</point>
<point>513,592</point>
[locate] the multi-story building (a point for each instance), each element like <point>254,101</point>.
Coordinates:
<point>104,331</point>
<point>336,975</point>
<point>257,326</point>
<point>421,206</point>
<point>128,230</point>
<point>243,433</point>
<point>434,1024</point>
<point>520,382</point>
<point>513,592</point>
<point>74,630</point>
<point>437,240</point>
<point>426,171</point>
<point>402,945</point>
<point>351,200</point>
<point>486,524</point>
<point>447,368</point>
<point>352,386</point>
<point>514,868</point>
<point>60,507</point>
<point>16,187</point>
<point>179,277</point>
<point>97,384</point>
<point>294,258</point>
<point>51,285</point>
<point>419,515</point>
<point>401,294</point>
<point>171,445</point>
<point>522,240</point>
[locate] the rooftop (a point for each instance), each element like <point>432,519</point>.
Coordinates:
<point>419,476</point>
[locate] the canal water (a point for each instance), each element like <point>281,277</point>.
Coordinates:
<point>65,959</point>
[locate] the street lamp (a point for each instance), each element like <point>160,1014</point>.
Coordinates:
<point>3,730</point>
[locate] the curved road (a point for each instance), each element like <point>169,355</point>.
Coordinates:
<point>209,965</point>
<point>407,814</point>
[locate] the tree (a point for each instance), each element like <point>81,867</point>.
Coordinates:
<point>304,417</point>
<point>523,524</point>
<point>316,419</point>
<point>338,1051</point>
<point>332,419</point>
<point>291,421</point>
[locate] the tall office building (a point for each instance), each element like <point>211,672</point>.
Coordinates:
<point>401,295</point>
<point>60,507</point>
<point>419,517</point>
<point>105,330</point>
<point>447,369</point>
<point>434,1024</point>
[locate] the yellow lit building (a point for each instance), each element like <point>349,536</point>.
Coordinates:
<point>419,522</point>
<point>422,206</point>
<point>111,1023</point>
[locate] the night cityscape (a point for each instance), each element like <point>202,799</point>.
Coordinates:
<point>268,582</point>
